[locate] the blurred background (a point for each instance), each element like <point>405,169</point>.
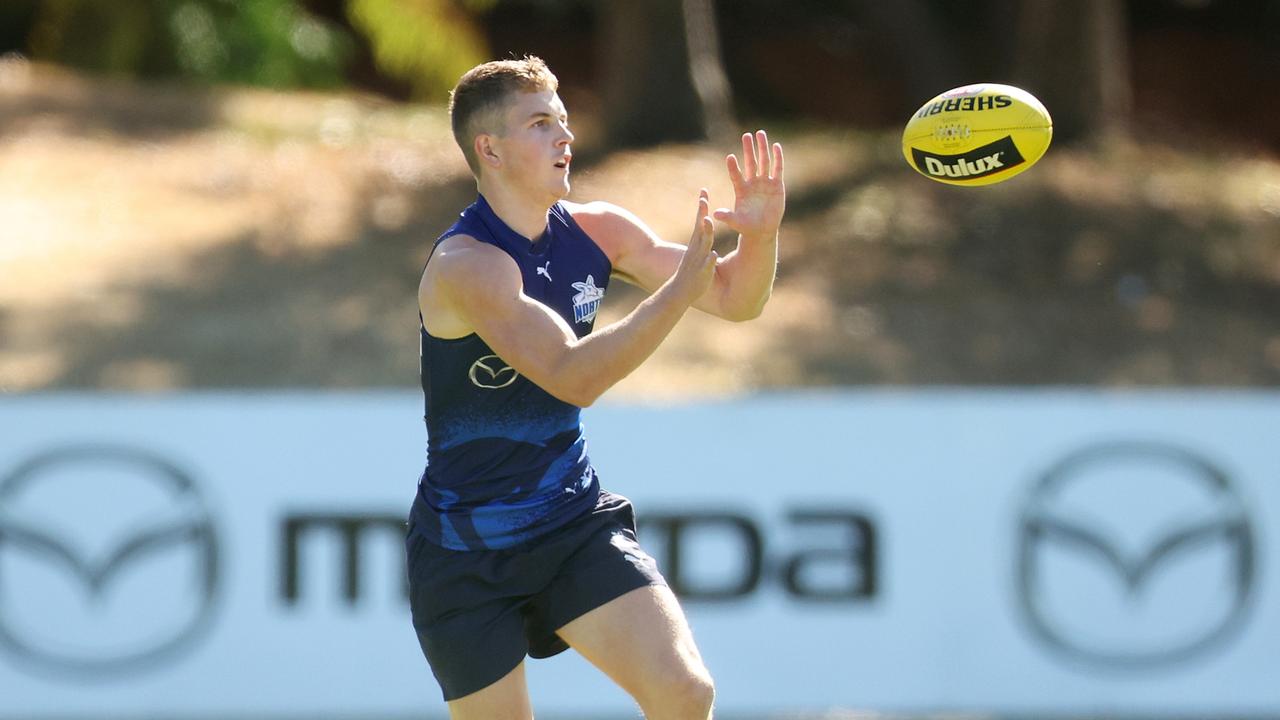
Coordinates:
<point>210,195</point>
<point>214,194</point>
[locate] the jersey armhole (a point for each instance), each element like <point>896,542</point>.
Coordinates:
<point>569,221</point>
<point>422,323</point>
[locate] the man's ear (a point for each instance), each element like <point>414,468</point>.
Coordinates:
<point>487,151</point>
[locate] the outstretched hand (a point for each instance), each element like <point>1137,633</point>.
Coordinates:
<point>697,267</point>
<point>760,196</point>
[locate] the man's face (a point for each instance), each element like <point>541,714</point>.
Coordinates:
<point>534,145</point>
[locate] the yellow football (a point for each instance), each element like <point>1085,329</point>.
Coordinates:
<point>977,134</point>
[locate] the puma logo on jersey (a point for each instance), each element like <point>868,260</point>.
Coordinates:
<point>587,301</point>
<point>545,270</point>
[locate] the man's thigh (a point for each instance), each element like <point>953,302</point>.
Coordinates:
<point>641,640</point>
<point>472,632</point>
<point>506,699</point>
<point>603,561</point>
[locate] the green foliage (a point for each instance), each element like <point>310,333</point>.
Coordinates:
<point>91,35</point>
<point>275,43</point>
<point>428,43</point>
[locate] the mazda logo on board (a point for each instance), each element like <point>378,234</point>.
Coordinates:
<point>108,561</point>
<point>1134,554</point>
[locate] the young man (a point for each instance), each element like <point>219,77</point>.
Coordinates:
<point>513,547</point>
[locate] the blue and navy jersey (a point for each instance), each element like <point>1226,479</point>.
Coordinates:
<point>506,461</point>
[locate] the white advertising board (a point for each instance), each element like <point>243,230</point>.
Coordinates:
<point>1020,552</point>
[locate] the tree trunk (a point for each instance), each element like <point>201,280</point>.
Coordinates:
<point>1074,56</point>
<point>706,69</point>
<point>918,47</point>
<point>650,92</point>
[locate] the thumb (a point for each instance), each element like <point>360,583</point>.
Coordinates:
<point>728,217</point>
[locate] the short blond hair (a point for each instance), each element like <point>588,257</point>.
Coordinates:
<point>477,101</point>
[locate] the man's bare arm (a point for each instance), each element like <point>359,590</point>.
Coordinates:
<point>744,278</point>
<point>536,341</point>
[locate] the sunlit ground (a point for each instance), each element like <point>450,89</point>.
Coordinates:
<point>160,237</point>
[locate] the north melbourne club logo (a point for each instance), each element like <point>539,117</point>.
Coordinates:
<point>587,301</point>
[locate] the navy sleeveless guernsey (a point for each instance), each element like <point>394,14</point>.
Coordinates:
<point>506,461</point>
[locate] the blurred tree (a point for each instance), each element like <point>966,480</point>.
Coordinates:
<point>16,19</point>
<point>647,93</point>
<point>923,51</point>
<point>1074,56</point>
<point>427,43</point>
<point>275,43</point>
<point>706,68</point>
<point>661,73</point>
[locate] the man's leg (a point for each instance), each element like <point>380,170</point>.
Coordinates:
<point>642,641</point>
<point>507,699</point>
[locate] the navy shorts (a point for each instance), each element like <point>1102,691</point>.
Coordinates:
<point>479,612</point>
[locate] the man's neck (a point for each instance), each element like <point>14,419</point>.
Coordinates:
<point>519,213</point>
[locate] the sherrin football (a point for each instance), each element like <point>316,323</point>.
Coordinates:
<point>977,134</point>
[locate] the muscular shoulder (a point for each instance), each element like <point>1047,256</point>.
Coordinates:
<point>597,211</point>
<point>460,265</point>
<point>615,229</point>
<point>464,259</point>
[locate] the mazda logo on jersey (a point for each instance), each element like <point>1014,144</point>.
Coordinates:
<point>490,373</point>
<point>1134,554</point>
<point>108,561</point>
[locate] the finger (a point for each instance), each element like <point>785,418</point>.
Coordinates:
<point>726,216</point>
<point>748,156</point>
<point>706,234</point>
<point>709,261</point>
<point>706,241</point>
<point>704,207</point>
<point>699,245</point>
<point>777,162</point>
<point>762,152</point>
<point>735,171</point>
